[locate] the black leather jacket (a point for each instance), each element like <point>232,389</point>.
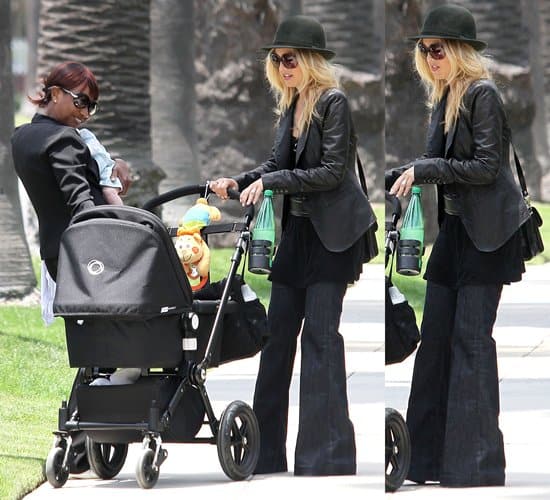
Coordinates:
<point>475,159</point>
<point>59,175</point>
<point>324,169</point>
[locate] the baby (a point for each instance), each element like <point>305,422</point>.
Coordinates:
<point>110,186</point>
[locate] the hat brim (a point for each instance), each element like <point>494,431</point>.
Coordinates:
<point>476,44</point>
<point>326,53</point>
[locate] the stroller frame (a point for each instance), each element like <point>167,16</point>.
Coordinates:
<point>397,439</point>
<point>238,446</point>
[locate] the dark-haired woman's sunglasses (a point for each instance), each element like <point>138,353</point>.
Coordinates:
<point>289,60</point>
<point>436,50</point>
<point>81,101</point>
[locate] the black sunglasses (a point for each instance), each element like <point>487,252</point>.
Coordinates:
<point>289,60</point>
<point>82,100</point>
<point>436,50</point>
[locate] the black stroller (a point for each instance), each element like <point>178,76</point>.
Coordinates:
<point>401,339</point>
<point>128,304</point>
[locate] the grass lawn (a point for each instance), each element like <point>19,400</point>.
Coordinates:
<point>34,379</point>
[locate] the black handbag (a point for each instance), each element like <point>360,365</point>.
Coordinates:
<point>245,331</point>
<point>402,335</point>
<point>531,240</point>
<point>371,245</point>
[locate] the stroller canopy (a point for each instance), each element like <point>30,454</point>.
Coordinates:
<point>118,261</point>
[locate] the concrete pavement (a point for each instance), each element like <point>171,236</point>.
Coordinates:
<point>194,471</point>
<point>522,333</point>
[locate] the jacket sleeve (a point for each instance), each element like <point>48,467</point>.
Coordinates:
<point>336,130</point>
<point>69,157</point>
<point>487,121</point>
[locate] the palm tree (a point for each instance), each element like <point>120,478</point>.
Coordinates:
<point>234,110</point>
<point>173,98</point>
<point>501,24</point>
<point>16,273</point>
<point>358,40</point>
<point>112,38</point>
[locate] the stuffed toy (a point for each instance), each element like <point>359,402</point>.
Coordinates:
<point>192,250</point>
<point>194,256</point>
<point>199,215</point>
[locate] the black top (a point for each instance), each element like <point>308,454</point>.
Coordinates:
<point>302,259</point>
<point>455,261</point>
<point>59,175</point>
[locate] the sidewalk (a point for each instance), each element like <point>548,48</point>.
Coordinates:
<point>522,333</point>
<point>193,471</point>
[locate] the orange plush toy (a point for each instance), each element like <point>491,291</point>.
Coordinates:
<point>194,255</point>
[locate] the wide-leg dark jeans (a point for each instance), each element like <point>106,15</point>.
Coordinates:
<point>454,400</point>
<point>326,440</point>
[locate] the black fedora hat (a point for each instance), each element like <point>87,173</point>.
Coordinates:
<point>451,22</point>
<point>301,32</point>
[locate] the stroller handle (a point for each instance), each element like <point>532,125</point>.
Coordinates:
<point>174,194</point>
<point>201,189</point>
<point>395,205</point>
<point>235,195</point>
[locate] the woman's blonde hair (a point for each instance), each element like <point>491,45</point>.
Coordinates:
<point>467,65</point>
<point>318,76</point>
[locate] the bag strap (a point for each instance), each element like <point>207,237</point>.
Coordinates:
<point>521,176</point>
<point>361,173</point>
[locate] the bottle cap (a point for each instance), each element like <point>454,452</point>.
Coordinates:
<point>268,193</point>
<point>416,190</point>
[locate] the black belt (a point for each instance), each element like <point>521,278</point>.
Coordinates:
<point>297,206</point>
<point>451,205</point>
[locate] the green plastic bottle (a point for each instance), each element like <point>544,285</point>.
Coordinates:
<point>263,237</point>
<point>410,248</point>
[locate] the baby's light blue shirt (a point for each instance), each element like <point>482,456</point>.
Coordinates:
<point>103,159</point>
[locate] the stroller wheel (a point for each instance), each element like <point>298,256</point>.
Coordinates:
<point>106,459</point>
<point>56,474</point>
<point>146,473</point>
<point>238,441</point>
<point>398,450</point>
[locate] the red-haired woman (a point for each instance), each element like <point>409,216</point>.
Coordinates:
<point>59,173</point>
<point>51,159</point>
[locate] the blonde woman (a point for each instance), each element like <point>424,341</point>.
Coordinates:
<point>325,217</point>
<point>454,401</point>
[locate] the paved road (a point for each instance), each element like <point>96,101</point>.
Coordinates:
<point>193,471</point>
<point>522,334</point>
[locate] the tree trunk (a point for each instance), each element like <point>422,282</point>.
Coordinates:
<point>173,98</point>
<point>16,272</point>
<point>358,40</point>
<point>501,24</point>
<point>406,112</point>
<point>112,38</point>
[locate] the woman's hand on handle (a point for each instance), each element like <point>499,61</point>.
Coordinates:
<point>221,185</point>
<point>252,193</point>
<point>403,184</point>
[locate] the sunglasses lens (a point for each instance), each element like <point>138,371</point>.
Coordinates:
<point>92,108</point>
<point>289,61</point>
<point>436,50</point>
<point>81,101</point>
